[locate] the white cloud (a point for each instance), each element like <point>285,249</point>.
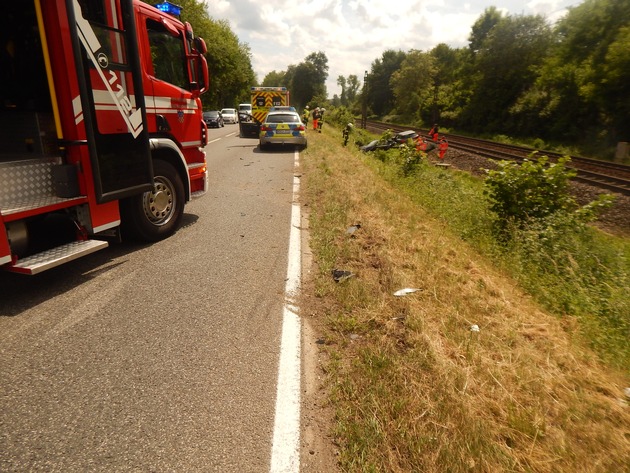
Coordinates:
<point>354,33</point>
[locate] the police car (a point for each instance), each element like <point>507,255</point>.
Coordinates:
<point>282,128</point>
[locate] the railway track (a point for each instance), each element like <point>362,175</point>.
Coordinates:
<point>613,177</point>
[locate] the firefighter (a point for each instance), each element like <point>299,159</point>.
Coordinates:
<point>433,132</point>
<point>443,147</point>
<point>316,117</point>
<point>346,133</point>
<point>421,145</point>
<point>320,122</point>
<point>305,116</point>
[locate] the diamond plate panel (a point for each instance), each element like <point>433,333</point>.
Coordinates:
<point>57,256</point>
<point>27,184</point>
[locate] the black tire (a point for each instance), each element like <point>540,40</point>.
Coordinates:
<point>155,215</point>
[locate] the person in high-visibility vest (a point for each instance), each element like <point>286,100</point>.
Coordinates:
<point>316,115</point>
<point>421,145</point>
<point>443,147</point>
<point>320,122</point>
<point>346,133</point>
<point>305,116</point>
<point>433,132</point>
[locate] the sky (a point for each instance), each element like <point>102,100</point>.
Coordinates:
<point>354,33</point>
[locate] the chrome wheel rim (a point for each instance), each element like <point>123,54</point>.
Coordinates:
<point>159,204</point>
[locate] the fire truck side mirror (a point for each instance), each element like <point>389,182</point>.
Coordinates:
<point>201,79</point>
<point>200,46</point>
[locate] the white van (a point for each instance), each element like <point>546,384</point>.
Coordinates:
<point>244,108</point>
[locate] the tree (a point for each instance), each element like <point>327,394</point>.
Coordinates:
<point>275,79</point>
<point>352,88</point>
<point>615,91</point>
<point>319,61</point>
<point>482,27</point>
<point>505,65</point>
<point>341,82</point>
<point>307,80</point>
<point>380,96</point>
<point>412,83</point>
<point>449,92</point>
<point>583,87</point>
<point>349,88</point>
<point>304,85</point>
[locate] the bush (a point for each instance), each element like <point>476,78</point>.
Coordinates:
<point>340,116</point>
<point>519,193</point>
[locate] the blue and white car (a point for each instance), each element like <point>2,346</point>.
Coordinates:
<point>282,128</point>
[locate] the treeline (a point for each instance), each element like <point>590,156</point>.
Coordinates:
<point>519,76</point>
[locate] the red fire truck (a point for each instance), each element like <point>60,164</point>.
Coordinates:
<point>101,128</point>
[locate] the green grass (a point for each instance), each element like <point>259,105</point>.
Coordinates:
<point>413,388</point>
<point>577,271</point>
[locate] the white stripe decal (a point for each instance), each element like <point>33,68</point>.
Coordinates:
<point>111,81</point>
<point>189,144</point>
<point>78,110</point>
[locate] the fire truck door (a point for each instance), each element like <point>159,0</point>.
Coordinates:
<point>111,96</point>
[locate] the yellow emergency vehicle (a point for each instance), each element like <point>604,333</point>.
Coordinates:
<point>263,98</point>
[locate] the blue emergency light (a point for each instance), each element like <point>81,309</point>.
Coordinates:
<point>170,8</point>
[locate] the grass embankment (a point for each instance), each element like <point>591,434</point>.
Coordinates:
<point>413,388</point>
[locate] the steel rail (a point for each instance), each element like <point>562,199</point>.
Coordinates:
<point>613,177</point>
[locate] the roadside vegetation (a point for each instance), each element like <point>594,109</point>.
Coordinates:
<point>511,353</point>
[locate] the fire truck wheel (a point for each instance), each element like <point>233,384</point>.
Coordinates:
<point>155,215</point>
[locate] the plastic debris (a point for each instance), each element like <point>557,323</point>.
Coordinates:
<point>353,228</point>
<point>474,328</point>
<point>405,291</point>
<point>627,392</point>
<point>341,275</point>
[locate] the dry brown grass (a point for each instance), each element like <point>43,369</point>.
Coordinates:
<point>413,387</point>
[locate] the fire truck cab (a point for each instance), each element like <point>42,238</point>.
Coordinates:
<point>101,127</point>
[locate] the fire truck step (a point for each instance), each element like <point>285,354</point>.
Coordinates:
<point>56,256</point>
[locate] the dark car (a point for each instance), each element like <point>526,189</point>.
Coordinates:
<point>213,119</point>
<point>379,144</point>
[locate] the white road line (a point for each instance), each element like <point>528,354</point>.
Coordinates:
<point>214,140</point>
<point>285,452</point>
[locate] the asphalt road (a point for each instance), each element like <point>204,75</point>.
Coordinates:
<point>161,357</point>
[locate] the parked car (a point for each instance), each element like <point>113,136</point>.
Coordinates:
<point>282,128</point>
<point>229,115</point>
<point>213,119</point>
<point>244,108</point>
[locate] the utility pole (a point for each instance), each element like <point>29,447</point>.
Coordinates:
<point>364,111</point>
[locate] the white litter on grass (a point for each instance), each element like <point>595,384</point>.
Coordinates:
<point>405,291</point>
<point>353,228</point>
<point>474,328</point>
